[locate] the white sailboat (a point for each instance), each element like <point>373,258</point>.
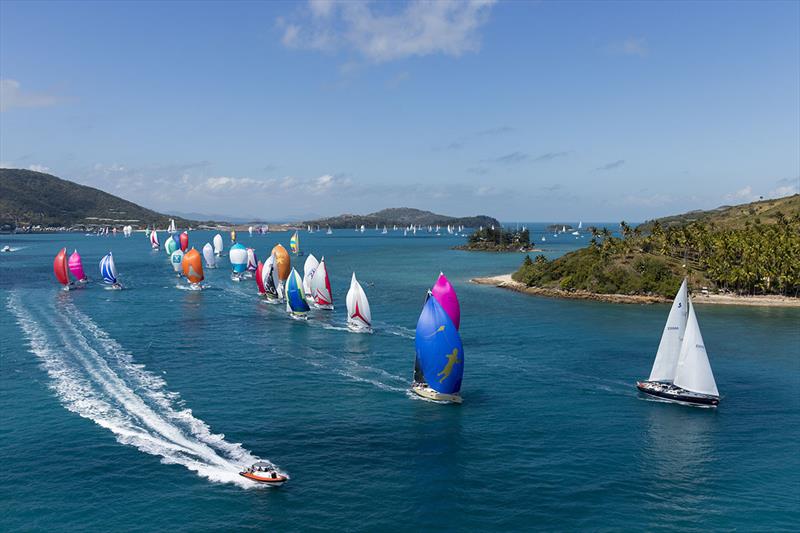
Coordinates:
<point>321,288</point>
<point>681,371</point>
<point>330,231</point>
<point>154,239</point>
<point>208,255</point>
<point>309,268</point>
<point>359,318</point>
<point>172,228</point>
<point>218,246</point>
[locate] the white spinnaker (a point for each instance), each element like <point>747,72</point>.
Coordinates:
<point>669,348</point>
<point>357,304</point>
<point>309,268</point>
<point>94,377</point>
<point>208,254</point>
<point>218,245</point>
<point>694,370</point>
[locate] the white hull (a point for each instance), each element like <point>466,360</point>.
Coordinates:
<point>358,328</point>
<point>427,393</point>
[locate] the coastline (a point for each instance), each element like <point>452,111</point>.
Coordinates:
<point>504,281</point>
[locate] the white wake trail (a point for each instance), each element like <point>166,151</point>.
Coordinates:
<point>94,377</point>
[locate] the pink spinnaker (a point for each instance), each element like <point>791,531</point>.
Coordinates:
<point>76,266</point>
<point>445,294</point>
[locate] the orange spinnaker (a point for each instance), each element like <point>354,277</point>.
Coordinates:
<point>60,267</point>
<point>193,266</point>
<point>282,262</point>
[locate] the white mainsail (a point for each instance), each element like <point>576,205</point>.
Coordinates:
<point>358,313</point>
<point>208,254</point>
<point>320,287</point>
<point>694,370</point>
<point>218,246</point>
<point>172,228</point>
<point>670,346</point>
<point>309,268</point>
<point>154,238</point>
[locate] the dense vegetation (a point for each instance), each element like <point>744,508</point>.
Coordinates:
<point>748,258</point>
<point>30,198</point>
<point>496,238</point>
<point>402,216</point>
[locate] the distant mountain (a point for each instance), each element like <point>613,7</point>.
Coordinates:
<point>765,211</point>
<point>402,216</point>
<point>29,198</point>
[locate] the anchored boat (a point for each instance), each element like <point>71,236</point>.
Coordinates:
<point>681,371</point>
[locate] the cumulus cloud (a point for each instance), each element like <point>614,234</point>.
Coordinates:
<point>13,96</point>
<point>612,165</point>
<point>39,168</point>
<point>381,32</point>
<point>745,194</point>
<point>632,46</point>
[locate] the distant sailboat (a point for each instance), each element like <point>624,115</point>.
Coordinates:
<point>296,304</point>
<point>681,371</point>
<point>250,230</point>
<point>184,240</point>
<point>359,317</point>
<point>321,287</point>
<point>154,239</point>
<point>439,360</point>
<point>208,255</point>
<point>218,246</point>
<point>309,267</point>
<point>193,268</point>
<point>384,231</point>
<point>294,244</point>
<point>330,231</point>
<point>233,236</point>
<point>238,259</point>
<point>177,261</point>
<point>76,267</point>
<point>252,263</point>
<point>61,270</point>
<point>172,228</point>
<point>108,271</point>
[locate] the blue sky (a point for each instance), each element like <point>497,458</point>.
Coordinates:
<point>523,111</point>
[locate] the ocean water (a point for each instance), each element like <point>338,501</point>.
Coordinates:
<point>133,410</point>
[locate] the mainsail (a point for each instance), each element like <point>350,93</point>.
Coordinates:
<point>358,312</point>
<point>269,277</point>
<point>107,269</point>
<point>172,228</point>
<point>252,260</point>
<point>309,268</point>
<point>439,361</point>
<point>694,370</point>
<point>208,255</point>
<point>218,247</point>
<point>321,287</point>
<point>669,348</point>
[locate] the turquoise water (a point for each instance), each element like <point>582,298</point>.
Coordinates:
<point>136,407</point>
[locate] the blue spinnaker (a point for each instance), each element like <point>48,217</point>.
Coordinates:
<point>294,296</point>
<point>440,354</point>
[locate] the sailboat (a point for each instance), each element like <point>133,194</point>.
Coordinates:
<point>184,240</point>
<point>208,255</point>
<point>76,267</point>
<point>218,246</point>
<point>154,239</point>
<point>321,288</point>
<point>362,228</point>
<point>283,266</point>
<point>384,231</point>
<point>61,270</point>
<point>681,371</point>
<point>294,244</point>
<point>250,230</point>
<point>330,231</point>
<point>177,261</point>
<point>270,281</point>
<point>252,263</point>
<point>238,259</point>
<point>296,304</point>
<point>108,271</point>
<point>359,317</point>
<point>233,236</point>
<point>260,279</point>
<point>439,360</point>
<point>170,245</point>
<point>193,269</point>
<point>309,267</point>
<point>172,228</point>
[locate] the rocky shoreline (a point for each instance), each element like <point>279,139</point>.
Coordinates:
<point>505,281</point>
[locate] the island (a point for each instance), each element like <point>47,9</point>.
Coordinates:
<point>747,254</point>
<point>495,238</point>
<point>401,217</point>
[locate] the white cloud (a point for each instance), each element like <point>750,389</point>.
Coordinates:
<point>380,32</point>
<point>12,96</point>
<point>39,168</point>
<point>745,194</point>
<point>631,46</point>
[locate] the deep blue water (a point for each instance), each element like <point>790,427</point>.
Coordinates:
<point>132,410</point>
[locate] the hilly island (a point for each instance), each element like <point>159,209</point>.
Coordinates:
<point>745,250</point>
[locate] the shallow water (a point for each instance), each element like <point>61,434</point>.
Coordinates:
<point>136,407</point>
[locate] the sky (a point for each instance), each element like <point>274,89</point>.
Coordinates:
<point>532,111</point>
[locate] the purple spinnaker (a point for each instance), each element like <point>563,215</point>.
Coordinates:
<point>446,296</point>
<point>76,265</point>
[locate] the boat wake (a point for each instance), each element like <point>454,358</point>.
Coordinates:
<point>356,371</point>
<point>93,376</point>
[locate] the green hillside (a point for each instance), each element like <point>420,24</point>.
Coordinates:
<point>29,198</point>
<point>402,216</point>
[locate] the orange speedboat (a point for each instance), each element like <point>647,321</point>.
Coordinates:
<point>262,472</point>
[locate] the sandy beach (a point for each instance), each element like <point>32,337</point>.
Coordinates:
<point>504,281</point>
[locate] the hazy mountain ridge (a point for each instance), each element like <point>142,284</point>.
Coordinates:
<point>402,216</point>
